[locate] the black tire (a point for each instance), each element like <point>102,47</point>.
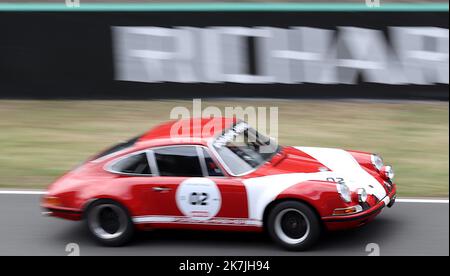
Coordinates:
<point>109,223</point>
<point>293,225</point>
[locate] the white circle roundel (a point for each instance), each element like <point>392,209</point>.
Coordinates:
<point>198,198</point>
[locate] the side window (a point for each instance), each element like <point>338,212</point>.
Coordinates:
<point>211,166</point>
<point>178,161</point>
<point>135,164</point>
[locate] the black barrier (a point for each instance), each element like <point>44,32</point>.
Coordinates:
<point>60,55</point>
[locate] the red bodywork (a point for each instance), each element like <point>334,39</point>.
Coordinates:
<point>69,196</point>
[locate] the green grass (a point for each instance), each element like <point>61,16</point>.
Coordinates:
<point>40,140</point>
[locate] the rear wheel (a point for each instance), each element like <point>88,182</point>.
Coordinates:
<point>293,225</point>
<point>109,223</point>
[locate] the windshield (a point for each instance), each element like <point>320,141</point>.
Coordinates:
<point>242,148</point>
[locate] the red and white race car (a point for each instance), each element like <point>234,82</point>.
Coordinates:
<point>226,177</point>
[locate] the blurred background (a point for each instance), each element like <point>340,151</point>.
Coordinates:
<point>74,82</point>
<point>42,139</point>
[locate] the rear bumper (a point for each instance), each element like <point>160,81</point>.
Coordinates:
<point>353,221</point>
<point>64,213</point>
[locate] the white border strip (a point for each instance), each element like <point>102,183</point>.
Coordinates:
<point>188,220</point>
<point>419,200</point>
<point>399,200</point>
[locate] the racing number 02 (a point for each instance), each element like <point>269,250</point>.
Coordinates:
<point>338,180</point>
<point>198,198</point>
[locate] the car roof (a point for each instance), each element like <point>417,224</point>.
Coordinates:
<point>198,130</point>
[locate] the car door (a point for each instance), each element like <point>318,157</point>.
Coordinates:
<point>190,188</point>
<point>234,197</point>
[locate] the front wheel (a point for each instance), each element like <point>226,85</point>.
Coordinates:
<point>109,223</point>
<point>293,225</point>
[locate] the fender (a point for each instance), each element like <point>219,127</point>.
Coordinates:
<point>261,191</point>
<point>126,194</point>
<point>321,195</point>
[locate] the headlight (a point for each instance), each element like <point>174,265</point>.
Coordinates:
<point>388,172</point>
<point>345,192</point>
<point>362,195</point>
<point>377,161</point>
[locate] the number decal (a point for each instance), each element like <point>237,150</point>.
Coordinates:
<point>198,198</point>
<point>338,180</point>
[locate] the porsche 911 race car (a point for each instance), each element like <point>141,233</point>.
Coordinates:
<point>222,178</point>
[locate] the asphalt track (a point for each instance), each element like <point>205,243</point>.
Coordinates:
<point>409,228</point>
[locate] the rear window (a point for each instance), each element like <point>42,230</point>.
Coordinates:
<point>135,164</point>
<point>117,148</point>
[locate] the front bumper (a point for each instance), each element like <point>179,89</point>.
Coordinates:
<point>353,221</point>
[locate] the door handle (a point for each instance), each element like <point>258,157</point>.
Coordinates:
<point>161,189</point>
